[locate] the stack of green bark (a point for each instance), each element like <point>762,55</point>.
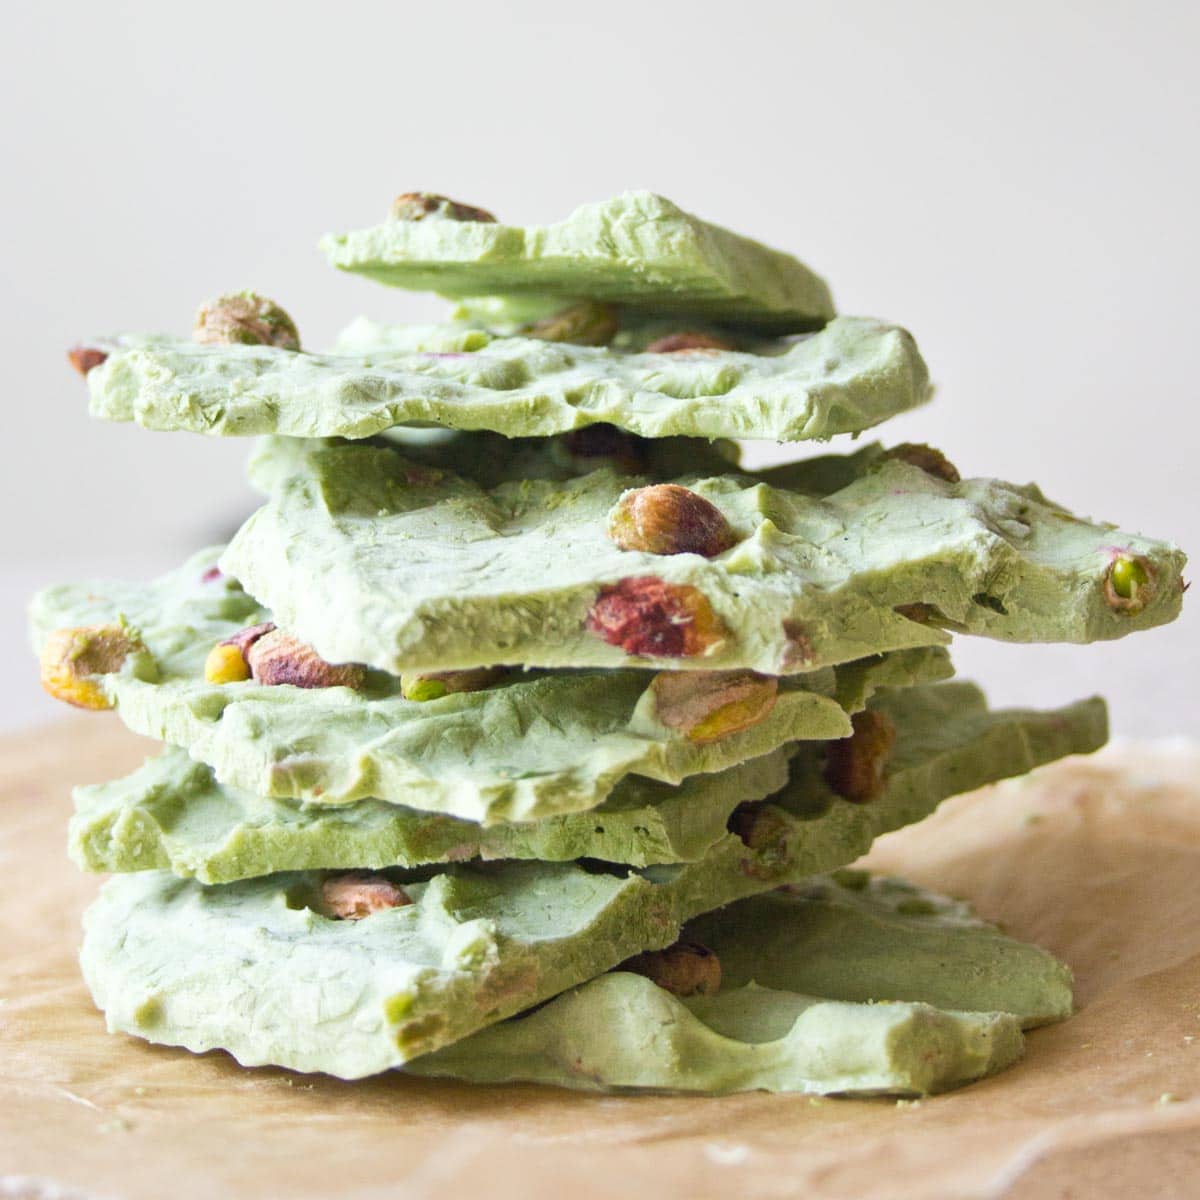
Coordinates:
<point>521,734</point>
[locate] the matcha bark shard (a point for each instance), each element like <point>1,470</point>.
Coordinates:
<point>851,375</point>
<point>531,747</point>
<point>637,250</point>
<point>372,560</point>
<point>171,813</point>
<point>252,967</point>
<point>849,987</point>
<point>490,459</point>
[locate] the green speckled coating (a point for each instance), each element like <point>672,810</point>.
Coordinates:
<point>172,814</point>
<point>638,250</point>
<point>850,376</point>
<point>879,988</point>
<point>374,561</point>
<point>532,747</point>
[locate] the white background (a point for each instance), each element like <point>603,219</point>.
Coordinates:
<point>1017,183</point>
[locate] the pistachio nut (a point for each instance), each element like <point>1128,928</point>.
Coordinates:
<point>85,358</point>
<point>684,969</point>
<point>932,462</point>
<point>1129,583</point>
<point>666,518</point>
<point>645,615</point>
<point>856,766</point>
<point>357,894</point>
<point>709,705</point>
<point>680,343</point>
<point>586,324</point>
<point>73,660</point>
<point>433,685</point>
<point>245,319</point>
<point>277,658</point>
<point>423,206</point>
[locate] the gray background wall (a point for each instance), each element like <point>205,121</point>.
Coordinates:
<point>1017,183</point>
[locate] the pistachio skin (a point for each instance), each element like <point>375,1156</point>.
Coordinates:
<point>422,206</point>
<point>645,616</point>
<point>856,766</point>
<point>585,324</point>
<point>73,660</point>
<point>245,319</point>
<point>684,969</point>
<point>666,518</point>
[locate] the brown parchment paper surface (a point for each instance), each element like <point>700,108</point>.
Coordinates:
<point>1098,859</point>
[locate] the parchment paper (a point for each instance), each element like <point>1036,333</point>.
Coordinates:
<point>1097,859</point>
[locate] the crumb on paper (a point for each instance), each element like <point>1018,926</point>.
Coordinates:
<point>908,1104</point>
<point>1034,818</point>
<point>1169,1098</point>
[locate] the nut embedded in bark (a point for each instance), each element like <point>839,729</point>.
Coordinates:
<point>423,206</point>
<point>932,462</point>
<point>856,766</point>
<point>646,616</point>
<point>684,969</point>
<point>278,658</point>
<point>709,705</point>
<point>359,894</point>
<point>666,518</point>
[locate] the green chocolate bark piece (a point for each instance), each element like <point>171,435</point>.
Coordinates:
<point>490,459</point>
<point>253,968</point>
<point>249,966</point>
<point>172,814</point>
<point>851,375</point>
<point>373,560</point>
<point>852,988</point>
<point>532,746</point>
<point>637,250</point>
<point>622,1033</point>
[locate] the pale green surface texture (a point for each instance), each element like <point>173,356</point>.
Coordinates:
<point>638,250</point>
<point>853,374</point>
<point>372,560</point>
<point>172,814</point>
<point>490,459</point>
<point>251,968</point>
<point>535,746</point>
<point>855,988</point>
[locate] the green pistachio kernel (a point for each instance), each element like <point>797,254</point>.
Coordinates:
<point>434,685</point>
<point>1129,584</point>
<point>422,687</point>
